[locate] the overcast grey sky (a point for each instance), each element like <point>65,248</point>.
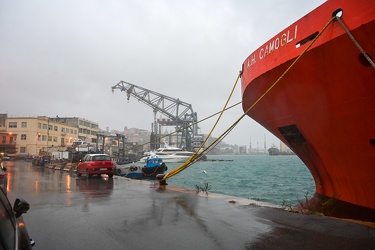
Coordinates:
<point>62,57</point>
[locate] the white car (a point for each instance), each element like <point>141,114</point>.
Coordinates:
<point>6,158</point>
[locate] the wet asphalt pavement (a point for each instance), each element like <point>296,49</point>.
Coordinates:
<point>68,212</point>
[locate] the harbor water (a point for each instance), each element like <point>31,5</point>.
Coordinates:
<point>279,179</point>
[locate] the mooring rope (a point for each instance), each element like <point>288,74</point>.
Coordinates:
<point>197,155</point>
<point>355,41</point>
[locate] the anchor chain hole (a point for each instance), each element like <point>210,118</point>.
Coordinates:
<point>338,13</point>
<point>363,60</point>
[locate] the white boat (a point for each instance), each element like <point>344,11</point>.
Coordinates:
<point>168,158</point>
<point>169,154</point>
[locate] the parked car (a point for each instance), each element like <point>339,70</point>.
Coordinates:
<point>6,158</point>
<point>23,157</point>
<point>3,178</point>
<point>96,164</point>
<point>45,159</point>
<point>13,232</point>
<point>41,160</point>
<point>35,160</point>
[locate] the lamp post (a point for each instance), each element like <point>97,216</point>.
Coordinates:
<point>47,133</point>
<point>36,142</point>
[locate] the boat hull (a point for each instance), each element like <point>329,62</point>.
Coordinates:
<point>324,107</point>
<point>129,171</point>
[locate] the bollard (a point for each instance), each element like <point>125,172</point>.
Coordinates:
<point>162,182</point>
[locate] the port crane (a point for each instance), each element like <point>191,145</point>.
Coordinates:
<point>179,114</point>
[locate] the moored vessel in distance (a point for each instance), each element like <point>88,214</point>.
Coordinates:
<point>273,150</point>
<point>320,101</point>
<point>171,154</point>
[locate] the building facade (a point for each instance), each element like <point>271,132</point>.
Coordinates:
<point>87,130</point>
<point>33,135</point>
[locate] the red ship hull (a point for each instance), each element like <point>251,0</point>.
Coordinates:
<point>324,107</point>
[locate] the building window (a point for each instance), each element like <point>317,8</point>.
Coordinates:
<point>44,138</point>
<point>75,132</point>
<point>55,128</point>
<point>49,138</point>
<point>49,127</point>
<point>22,150</point>
<point>55,139</point>
<point>23,137</point>
<point>39,125</point>
<point>62,130</point>
<point>24,124</point>
<point>44,126</point>
<point>13,124</point>
<point>4,140</point>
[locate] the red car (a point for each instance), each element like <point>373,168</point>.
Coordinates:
<point>96,164</point>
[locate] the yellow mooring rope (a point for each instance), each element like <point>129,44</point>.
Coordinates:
<point>198,154</point>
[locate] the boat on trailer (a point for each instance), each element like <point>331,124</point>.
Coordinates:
<point>313,86</point>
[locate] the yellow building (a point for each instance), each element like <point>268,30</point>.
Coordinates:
<point>38,134</point>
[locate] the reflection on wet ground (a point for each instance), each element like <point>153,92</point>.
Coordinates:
<point>24,177</point>
<point>101,213</point>
<point>95,187</point>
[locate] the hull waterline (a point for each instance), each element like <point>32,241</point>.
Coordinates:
<point>324,107</point>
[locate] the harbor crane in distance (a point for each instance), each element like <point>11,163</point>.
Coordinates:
<point>180,115</point>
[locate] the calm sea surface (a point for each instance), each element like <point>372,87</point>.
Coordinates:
<point>265,178</point>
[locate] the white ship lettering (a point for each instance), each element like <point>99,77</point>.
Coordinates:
<point>287,37</point>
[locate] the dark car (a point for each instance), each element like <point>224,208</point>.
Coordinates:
<point>24,157</point>
<point>41,160</point>
<point>96,164</point>
<point>3,177</point>
<point>45,159</point>
<point>13,232</point>
<point>35,160</point>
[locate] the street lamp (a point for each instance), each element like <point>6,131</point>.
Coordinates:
<point>47,133</point>
<point>37,138</point>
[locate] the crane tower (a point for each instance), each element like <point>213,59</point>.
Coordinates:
<point>179,114</point>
